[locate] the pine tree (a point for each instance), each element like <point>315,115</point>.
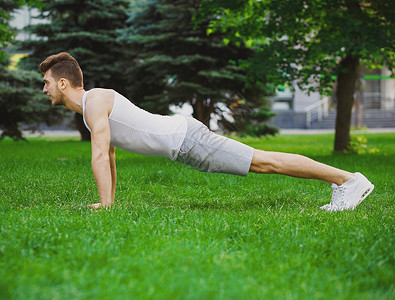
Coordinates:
<point>23,103</point>
<point>175,61</point>
<point>87,29</point>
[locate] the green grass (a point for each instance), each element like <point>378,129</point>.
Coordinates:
<point>176,233</point>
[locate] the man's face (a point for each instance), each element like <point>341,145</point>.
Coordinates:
<point>52,90</point>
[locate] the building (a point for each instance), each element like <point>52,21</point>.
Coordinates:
<point>296,109</point>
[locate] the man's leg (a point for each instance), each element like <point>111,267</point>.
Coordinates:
<point>349,190</point>
<point>296,166</point>
<point>206,151</point>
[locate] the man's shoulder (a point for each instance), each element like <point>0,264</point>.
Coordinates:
<point>99,99</point>
<point>100,93</point>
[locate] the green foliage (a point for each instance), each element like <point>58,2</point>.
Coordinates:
<point>21,99</point>
<point>245,119</point>
<point>312,42</point>
<point>6,33</point>
<point>305,41</point>
<point>176,233</point>
<point>259,130</point>
<point>359,145</point>
<point>176,62</point>
<point>88,31</point>
<point>23,103</point>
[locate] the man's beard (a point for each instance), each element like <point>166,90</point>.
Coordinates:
<point>58,98</point>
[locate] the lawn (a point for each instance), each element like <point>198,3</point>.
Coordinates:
<point>175,233</point>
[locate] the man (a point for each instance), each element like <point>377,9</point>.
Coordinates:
<point>115,122</point>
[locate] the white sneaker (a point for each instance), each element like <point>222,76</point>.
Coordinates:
<point>349,194</point>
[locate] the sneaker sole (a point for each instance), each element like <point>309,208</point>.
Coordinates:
<point>363,196</point>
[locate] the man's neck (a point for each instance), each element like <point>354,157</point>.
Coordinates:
<point>73,100</point>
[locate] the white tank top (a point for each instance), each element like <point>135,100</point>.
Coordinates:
<point>136,130</point>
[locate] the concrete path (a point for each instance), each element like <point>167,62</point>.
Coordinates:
<point>52,133</point>
<point>322,131</point>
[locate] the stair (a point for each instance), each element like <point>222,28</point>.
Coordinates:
<point>370,118</point>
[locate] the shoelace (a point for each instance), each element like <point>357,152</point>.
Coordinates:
<point>337,200</point>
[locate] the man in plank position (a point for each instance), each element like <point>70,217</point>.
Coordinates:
<point>115,122</point>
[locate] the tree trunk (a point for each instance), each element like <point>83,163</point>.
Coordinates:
<point>79,123</point>
<point>202,111</point>
<point>359,105</point>
<point>347,76</point>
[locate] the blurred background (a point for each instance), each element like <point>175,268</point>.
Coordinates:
<point>242,67</point>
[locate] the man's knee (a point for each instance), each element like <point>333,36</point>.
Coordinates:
<point>264,162</point>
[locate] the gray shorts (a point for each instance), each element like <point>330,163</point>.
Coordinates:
<point>209,152</point>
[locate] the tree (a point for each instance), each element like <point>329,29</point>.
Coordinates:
<point>23,103</point>
<point>86,29</point>
<point>6,33</point>
<point>21,99</point>
<point>315,41</point>
<point>175,61</point>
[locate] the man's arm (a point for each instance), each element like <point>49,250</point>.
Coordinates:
<point>96,115</point>
<point>113,168</point>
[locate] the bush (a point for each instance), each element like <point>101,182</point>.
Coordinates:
<point>359,145</point>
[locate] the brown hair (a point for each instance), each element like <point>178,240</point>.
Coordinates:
<point>63,65</point>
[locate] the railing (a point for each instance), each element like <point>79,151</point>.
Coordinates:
<point>316,111</point>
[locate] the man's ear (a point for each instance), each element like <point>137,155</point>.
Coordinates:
<point>63,83</point>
